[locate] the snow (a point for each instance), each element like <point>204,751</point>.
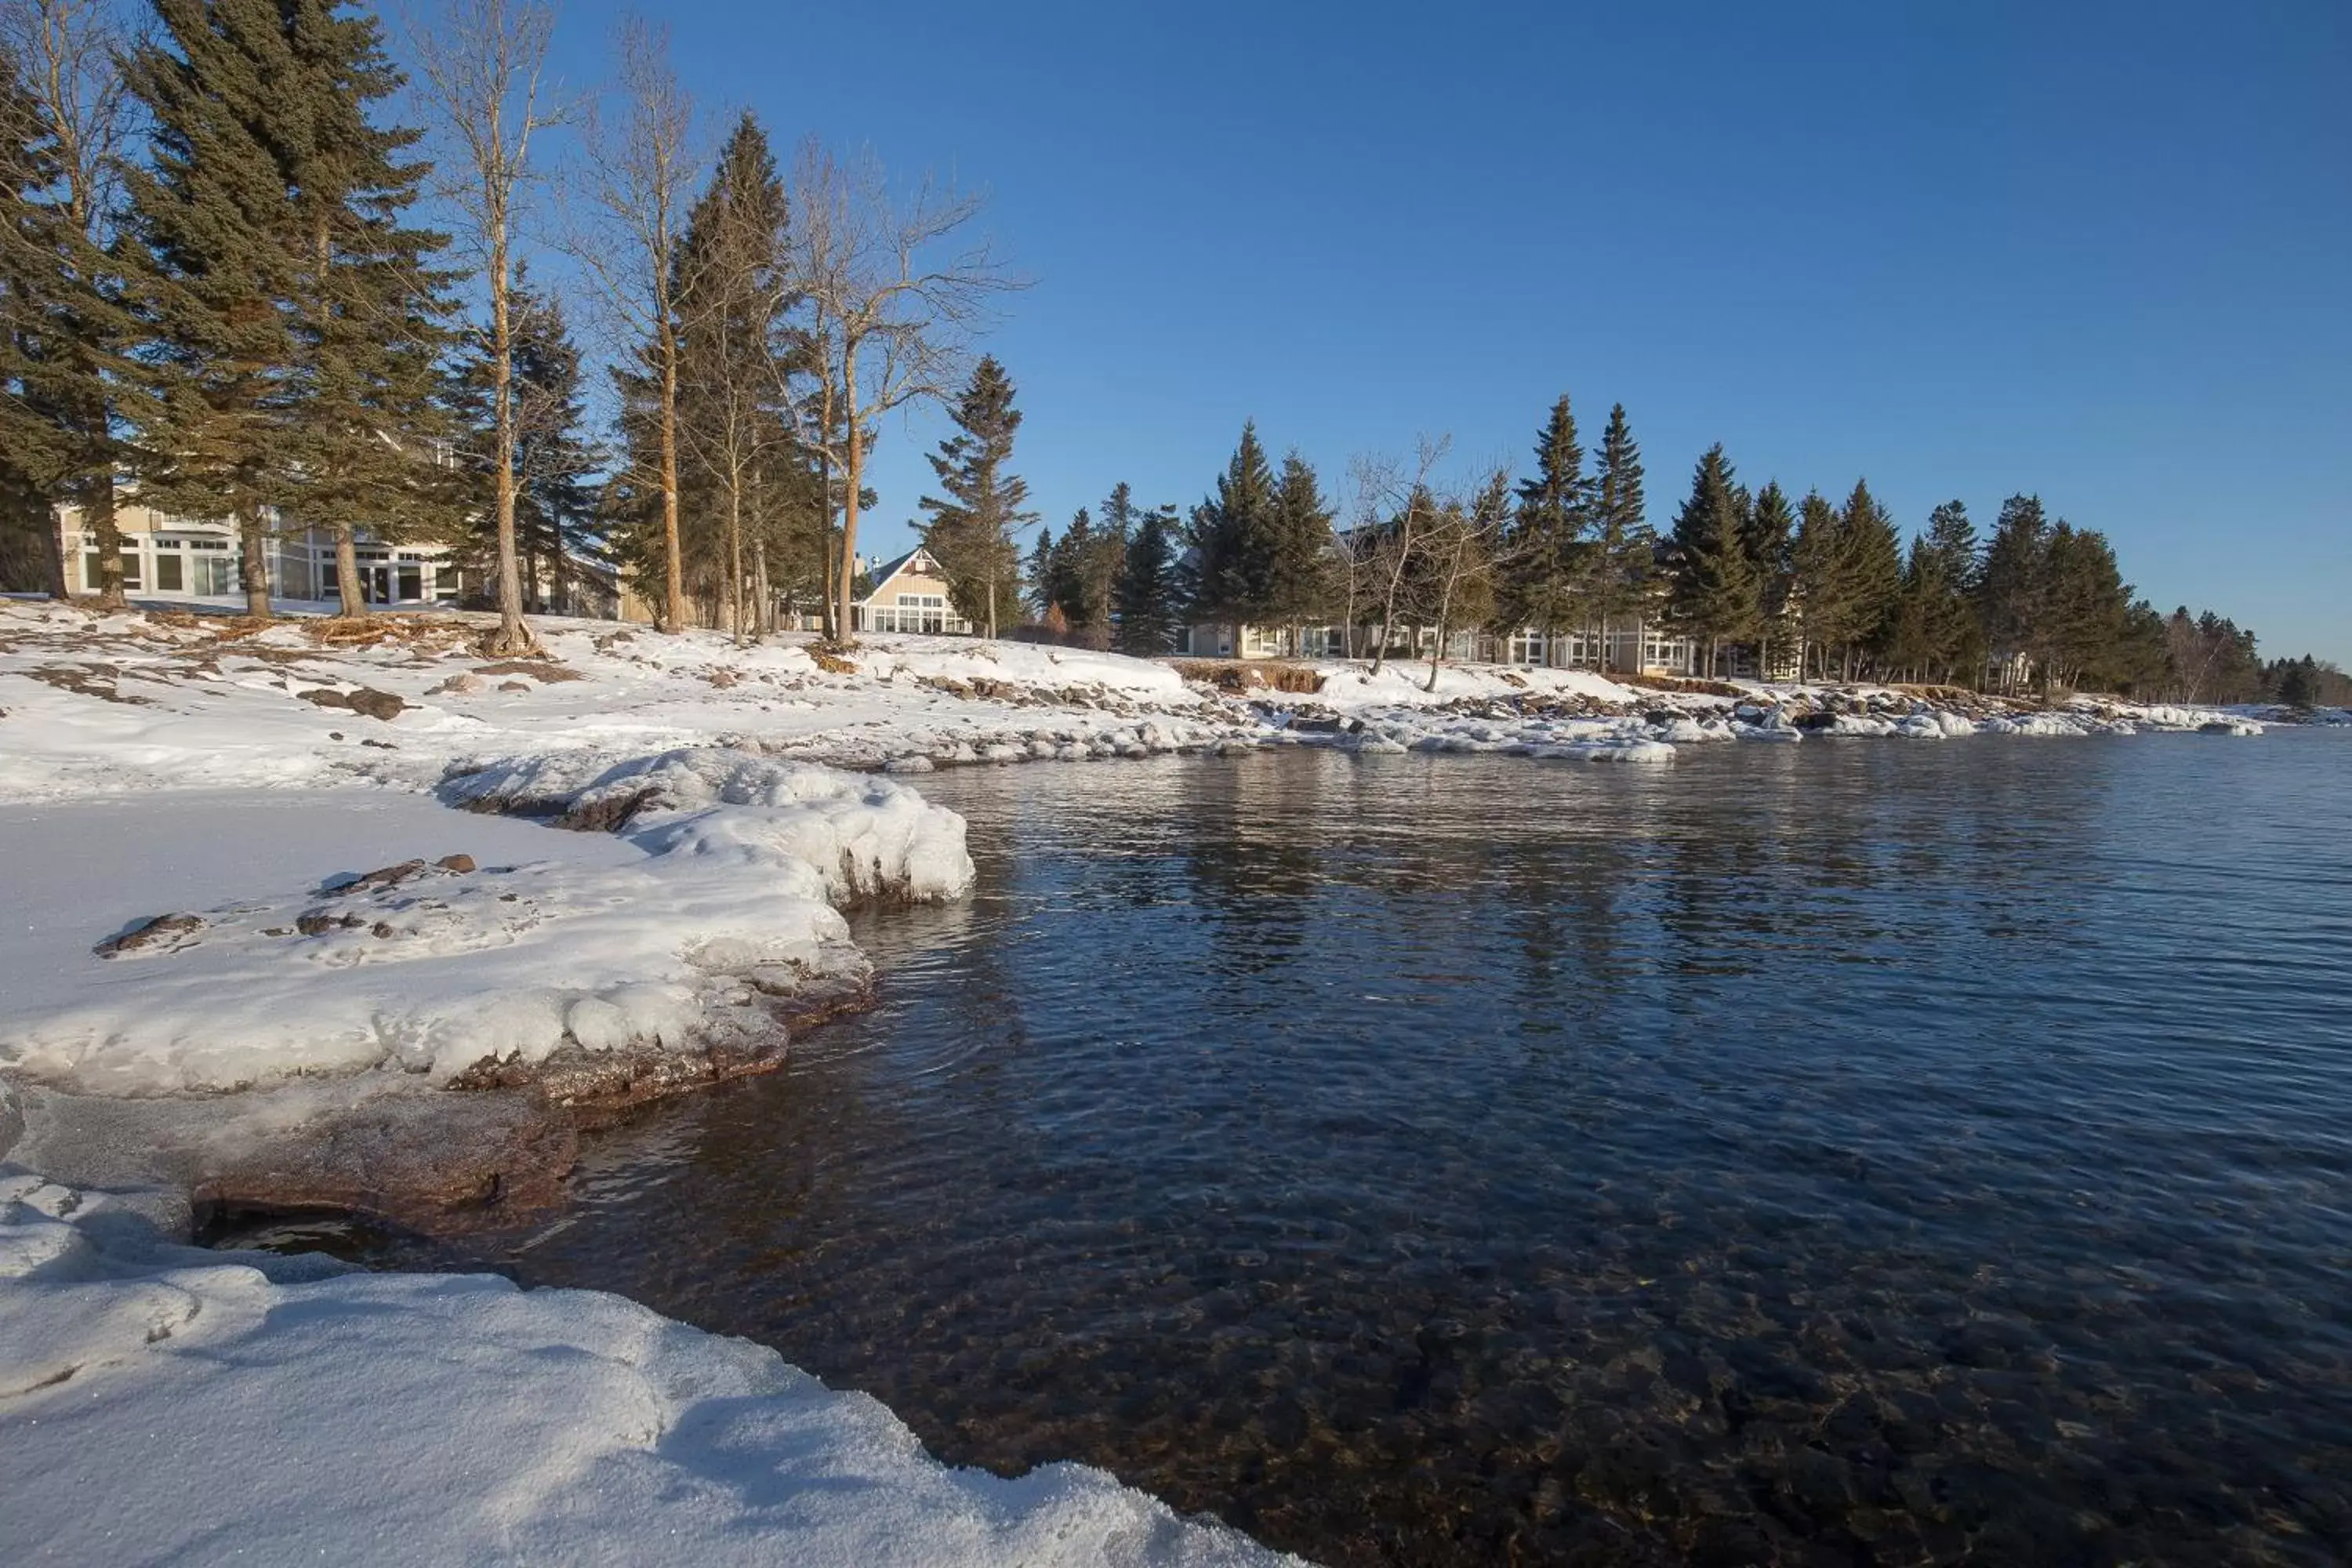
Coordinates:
<point>722,894</point>
<point>163,1403</point>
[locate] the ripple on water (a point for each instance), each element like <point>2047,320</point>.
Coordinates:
<point>1840,1154</point>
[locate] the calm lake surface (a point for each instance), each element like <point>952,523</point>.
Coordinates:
<point>1865,1151</point>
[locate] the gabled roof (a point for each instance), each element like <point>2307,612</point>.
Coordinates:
<point>889,569</point>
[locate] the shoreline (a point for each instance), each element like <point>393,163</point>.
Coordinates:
<point>677,938</point>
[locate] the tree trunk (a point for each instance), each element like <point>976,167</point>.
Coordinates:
<point>253,541</point>
<point>764,603</point>
<point>735,559</point>
<point>854,478</point>
<point>347,574</point>
<point>673,563</point>
<point>52,556</point>
<point>514,632</point>
<point>103,527</point>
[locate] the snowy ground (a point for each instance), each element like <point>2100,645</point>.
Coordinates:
<point>160,1402</point>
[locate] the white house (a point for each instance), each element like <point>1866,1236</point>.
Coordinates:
<point>910,595</point>
<point>168,557</point>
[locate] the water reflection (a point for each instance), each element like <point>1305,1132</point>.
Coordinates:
<point>1847,1153</point>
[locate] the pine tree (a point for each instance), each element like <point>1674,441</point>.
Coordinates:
<point>971,530</point>
<point>738,456</point>
<point>67,330</point>
<point>1298,588</point>
<point>1043,573</point>
<point>2013,594</point>
<point>1149,598</point>
<point>1821,591</point>
<point>1954,637</point>
<point>1625,550</point>
<point>1873,564</point>
<point>220,259</point>
<point>370,311</point>
<point>1713,589</point>
<point>555,511</point>
<point>1233,538</point>
<point>1546,550</point>
<point>1770,538</point>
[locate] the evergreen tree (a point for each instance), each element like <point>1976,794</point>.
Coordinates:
<point>740,463</point>
<point>1872,554</point>
<point>1770,539</point>
<point>1625,550</point>
<point>1043,573</point>
<point>1713,591</point>
<point>1953,636</point>
<point>222,250</point>
<point>1546,550</point>
<point>1233,538</point>
<point>1149,598</point>
<point>555,510</point>
<point>971,528</point>
<point>2013,593</point>
<point>1298,587</point>
<point>364,444</point>
<point>67,327</point>
<point>1821,591</point>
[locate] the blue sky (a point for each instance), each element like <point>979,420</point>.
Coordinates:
<point>2097,251</point>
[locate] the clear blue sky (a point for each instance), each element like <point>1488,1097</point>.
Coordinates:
<point>2103,252</point>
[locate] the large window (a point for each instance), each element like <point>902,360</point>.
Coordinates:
<point>90,569</point>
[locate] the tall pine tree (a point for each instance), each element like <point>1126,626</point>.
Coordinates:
<point>1298,585</point>
<point>1771,537</point>
<point>1625,550</point>
<point>221,259</point>
<point>1149,599</point>
<point>1714,592</point>
<point>1545,552</point>
<point>1233,540</point>
<point>1872,563</point>
<point>971,528</point>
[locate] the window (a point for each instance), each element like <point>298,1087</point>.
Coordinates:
<point>210,572</point>
<point>168,574</point>
<point>90,566</point>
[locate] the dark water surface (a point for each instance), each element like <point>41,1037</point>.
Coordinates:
<point>1865,1152</point>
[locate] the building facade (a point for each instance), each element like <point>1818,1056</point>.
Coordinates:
<point>910,595</point>
<point>168,557</point>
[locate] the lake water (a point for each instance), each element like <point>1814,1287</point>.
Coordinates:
<point>1865,1152</point>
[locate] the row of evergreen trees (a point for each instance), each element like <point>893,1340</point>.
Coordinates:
<point>1797,586</point>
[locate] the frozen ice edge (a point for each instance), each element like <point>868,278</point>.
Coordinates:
<point>158,1401</point>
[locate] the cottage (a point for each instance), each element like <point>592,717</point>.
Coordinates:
<point>908,594</point>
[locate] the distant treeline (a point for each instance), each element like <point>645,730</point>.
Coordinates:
<point>1805,585</point>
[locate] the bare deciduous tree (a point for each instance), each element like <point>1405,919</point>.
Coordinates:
<point>643,167</point>
<point>484,63</point>
<point>1457,557</point>
<point>894,293</point>
<point>1394,512</point>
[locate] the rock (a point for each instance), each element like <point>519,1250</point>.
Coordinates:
<point>465,683</point>
<point>325,697</point>
<point>148,934</point>
<point>382,706</point>
<point>382,877</point>
<point>318,922</point>
<point>456,863</point>
<point>381,745</point>
<point>514,686</point>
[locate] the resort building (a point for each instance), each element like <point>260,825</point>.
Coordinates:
<point>908,594</point>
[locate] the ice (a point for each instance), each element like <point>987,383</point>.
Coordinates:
<point>165,1404</point>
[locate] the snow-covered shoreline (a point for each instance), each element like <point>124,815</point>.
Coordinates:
<point>297,921</point>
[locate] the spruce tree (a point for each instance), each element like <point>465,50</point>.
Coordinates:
<point>1298,588</point>
<point>733,411</point>
<point>2013,593</point>
<point>971,528</point>
<point>555,511</point>
<point>1149,598</point>
<point>1821,590</point>
<point>1043,573</point>
<point>1770,538</point>
<point>1546,553</point>
<point>1873,564</point>
<point>1953,633</point>
<point>1713,591</point>
<point>221,253</point>
<point>1233,538</point>
<point>1625,550</point>
<point>67,327</point>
